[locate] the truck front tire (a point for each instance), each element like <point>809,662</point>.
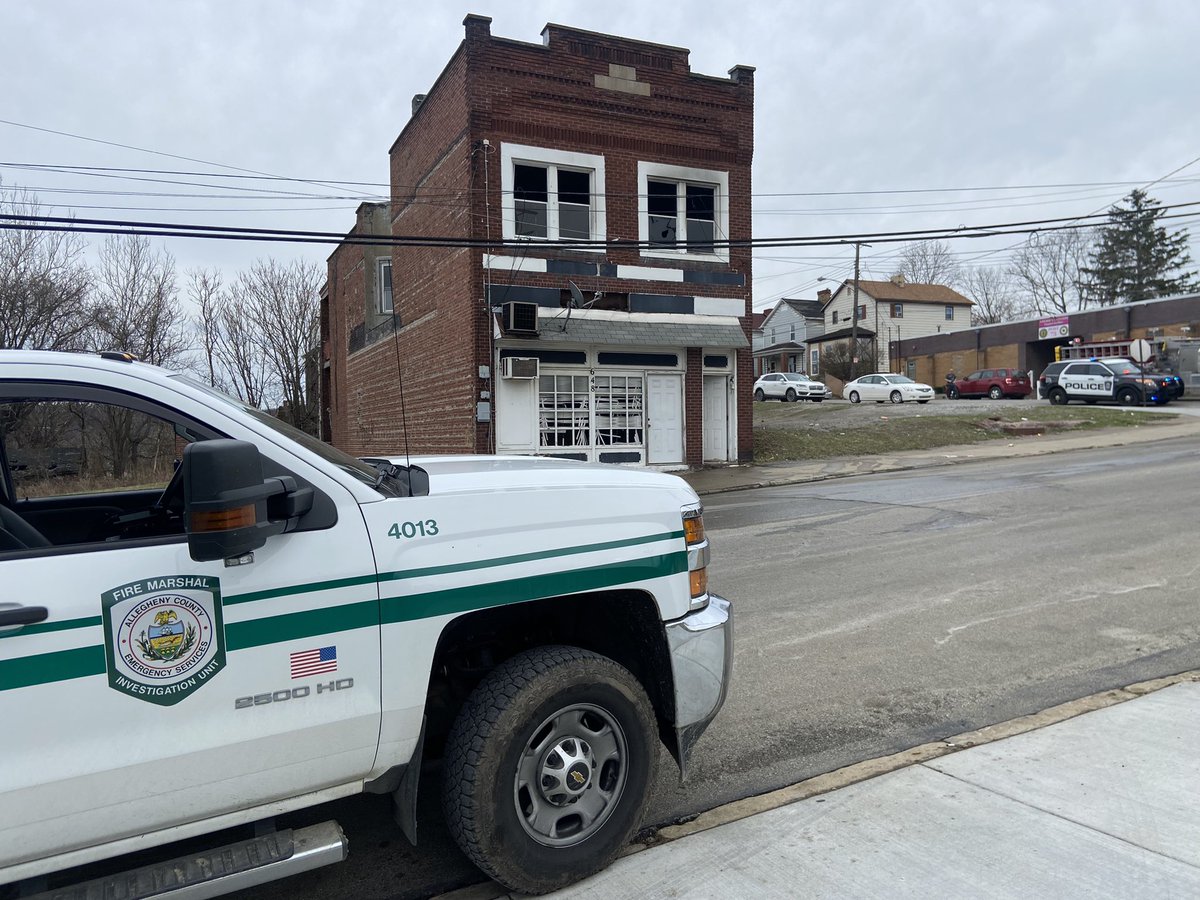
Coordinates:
<point>548,766</point>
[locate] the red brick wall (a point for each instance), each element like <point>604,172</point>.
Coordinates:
<point>693,408</point>
<point>528,93</point>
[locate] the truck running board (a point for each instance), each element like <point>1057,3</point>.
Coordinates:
<point>221,871</point>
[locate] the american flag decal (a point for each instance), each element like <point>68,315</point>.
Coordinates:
<point>314,662</point>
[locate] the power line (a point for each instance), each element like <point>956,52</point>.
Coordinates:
<point>175,229</point>
<point>71,169</point>
<point>1175,171</point>
<point>202,162</point>
<point>68,168</point>
<point>151,229</point>
<point>458,198</point>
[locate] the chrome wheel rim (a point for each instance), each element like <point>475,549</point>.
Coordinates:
<point>570,775</point>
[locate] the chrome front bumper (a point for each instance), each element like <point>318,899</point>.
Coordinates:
<point>701,647</point>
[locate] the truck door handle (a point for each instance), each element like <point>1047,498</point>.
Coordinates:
<point>22,615</point>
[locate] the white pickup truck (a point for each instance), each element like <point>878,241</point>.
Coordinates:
<point>208,618</point>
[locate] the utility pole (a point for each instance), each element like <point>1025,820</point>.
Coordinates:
<point>854,316</point>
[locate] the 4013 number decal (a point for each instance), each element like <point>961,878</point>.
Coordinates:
<point>426,528</point>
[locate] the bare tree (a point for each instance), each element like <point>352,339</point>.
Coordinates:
<point>241,351</point>
<point>204,288</point>
<point>44,302</point>
<point>136,301</point>
<point>992,290</point>
<point>279,305</point>
<point>1050,268</point>
<point>836,359</point>
<point>136,310</point>
<point>929,262</point>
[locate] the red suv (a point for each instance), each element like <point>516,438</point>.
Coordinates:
<point>994,383</point>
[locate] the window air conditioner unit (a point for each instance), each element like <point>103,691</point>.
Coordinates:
<point>521,318</point>
<point>518,367</point>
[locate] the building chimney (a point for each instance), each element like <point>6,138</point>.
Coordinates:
<point>823,295</point>
<point>478,27</point>
<point>418,99</point>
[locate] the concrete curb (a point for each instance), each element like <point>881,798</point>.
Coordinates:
<point>871,768</point>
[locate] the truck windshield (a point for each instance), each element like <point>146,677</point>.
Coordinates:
<point>344,461</point>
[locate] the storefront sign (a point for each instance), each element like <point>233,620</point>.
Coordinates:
<point>1054,327</point>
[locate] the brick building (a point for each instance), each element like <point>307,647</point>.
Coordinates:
<point>1029,344</point>
<point>593,306</point>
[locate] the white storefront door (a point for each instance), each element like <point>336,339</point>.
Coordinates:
<point>664,414</point>
<point>716,418</point>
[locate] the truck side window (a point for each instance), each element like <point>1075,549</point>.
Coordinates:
<point>89,474</point>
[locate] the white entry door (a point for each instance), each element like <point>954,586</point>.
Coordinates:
<point>716,418</point>
<point>664,414</point>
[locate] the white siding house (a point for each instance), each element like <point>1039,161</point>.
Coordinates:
<point>895,310</point>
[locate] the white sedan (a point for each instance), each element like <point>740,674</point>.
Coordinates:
<point>789,387</point>
<point>884,386</point>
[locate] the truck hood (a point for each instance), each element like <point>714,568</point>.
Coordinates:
<point>469,473</point>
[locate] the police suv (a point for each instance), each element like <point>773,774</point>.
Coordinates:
<point>1094,380</point>
<point>271,624</point>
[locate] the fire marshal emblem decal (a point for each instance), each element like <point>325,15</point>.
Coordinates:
<point>163,637</point>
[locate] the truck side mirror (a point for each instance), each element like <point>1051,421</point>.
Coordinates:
<point>226,499</point>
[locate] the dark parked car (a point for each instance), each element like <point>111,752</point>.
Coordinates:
<point>994,383</point>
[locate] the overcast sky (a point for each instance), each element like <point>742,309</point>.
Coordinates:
<point>993,112</point>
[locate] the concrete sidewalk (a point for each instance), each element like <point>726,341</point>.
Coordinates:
<point>734,478</point>
<point>1105,804</point>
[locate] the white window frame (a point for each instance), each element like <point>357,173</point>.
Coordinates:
<point>384,309</point>
<point>949,313</point>
<point>648,171</point>
<point>513,154</point>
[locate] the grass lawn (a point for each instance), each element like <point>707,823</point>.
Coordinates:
<point>819,431</point>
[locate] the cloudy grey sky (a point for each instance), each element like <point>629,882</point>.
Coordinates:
<point>965,113</point>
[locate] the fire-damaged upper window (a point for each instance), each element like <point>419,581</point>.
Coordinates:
<point>682,211</point>
<point>681,215</point>
<point>552,195</point>
<point>553,203</point>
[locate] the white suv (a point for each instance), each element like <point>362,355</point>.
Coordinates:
<point>788,387</point>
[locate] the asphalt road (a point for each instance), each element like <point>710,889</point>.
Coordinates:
<point>877,613</point>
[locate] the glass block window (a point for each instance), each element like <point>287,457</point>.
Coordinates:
<point>619,410</point>
<point>564,411</point>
